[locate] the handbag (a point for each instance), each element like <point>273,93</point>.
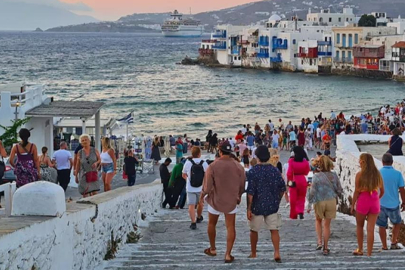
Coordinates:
<point>91,177</point>
<point>291,183</point>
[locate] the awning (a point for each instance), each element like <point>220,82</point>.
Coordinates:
<point>61,108</point>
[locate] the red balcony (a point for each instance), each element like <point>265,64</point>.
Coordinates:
<point>312,53</point>
<point>209,41</point>
<point>206,52</point>
<point>369,51</point>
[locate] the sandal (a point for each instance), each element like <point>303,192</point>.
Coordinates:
<point>209,253</point>
<point>319,247</point>
<point>230,260</point>
<point>277,260</point>
<point>383,248</point>
<point>326,251</point>
<point>395,246</point>
<point>358,252</point>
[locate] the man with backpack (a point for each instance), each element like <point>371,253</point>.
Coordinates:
<point>194,171</point>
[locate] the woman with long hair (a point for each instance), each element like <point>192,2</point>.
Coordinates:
<point>48,172</point>
<point>301,137</point>
<point>155,151</point>
<point>324,191</point>
<point>369,188</point>
<point>26,168</point>
<point>108,163</point>
<point>298,169</point>
<point>87,164</point>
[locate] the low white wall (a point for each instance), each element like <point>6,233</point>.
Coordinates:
<point>73,241</point>
<point>347,161</point>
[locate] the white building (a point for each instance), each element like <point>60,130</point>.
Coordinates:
<point>325,17</point>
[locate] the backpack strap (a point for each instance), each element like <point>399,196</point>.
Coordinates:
<point>201,162</point>
<point>192,161</point>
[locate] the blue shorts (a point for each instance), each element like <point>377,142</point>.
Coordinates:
<point>386,213</point>
<point>108,168</point>
<point>274,145</point>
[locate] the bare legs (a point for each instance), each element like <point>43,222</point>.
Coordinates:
<point>275,238</point>
<point>191,212</point>
<point>107,179</point>
<point>230,234</point>
<point>371,221</point>
<point>325,229</point>
<point>395,234</point>
<point>212,232</point>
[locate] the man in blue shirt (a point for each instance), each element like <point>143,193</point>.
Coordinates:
<point>390,205</point>
<point>265,190</point>
<point>250,142</point>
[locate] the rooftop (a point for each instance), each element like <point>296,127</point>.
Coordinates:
<point>66,109</point>
<point>400,44</point>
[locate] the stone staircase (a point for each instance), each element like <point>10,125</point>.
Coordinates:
<point>168,243</point>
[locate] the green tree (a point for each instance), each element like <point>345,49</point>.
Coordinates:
<point>10,136</point>
<point>368,21</point>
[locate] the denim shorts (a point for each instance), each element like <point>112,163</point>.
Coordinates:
<point>386,213</point>
<point>108,168</point>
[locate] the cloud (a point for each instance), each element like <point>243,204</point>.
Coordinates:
<point>78,6</point>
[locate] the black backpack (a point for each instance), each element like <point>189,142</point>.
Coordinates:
<point>197,173</point>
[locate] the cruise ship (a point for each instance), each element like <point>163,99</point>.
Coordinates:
<point>177,27</point>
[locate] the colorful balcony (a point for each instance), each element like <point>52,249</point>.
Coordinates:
<point>264,41</point>
<point>263,55</point>
<point>324,53</point>
<point>219,34</point>
<point>235,51</point>
<point>219,46</point>
<point>325,43</point>
<point>276,59</point>
<point>278,43</point>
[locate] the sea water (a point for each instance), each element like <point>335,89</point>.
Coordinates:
<point>138,72</point>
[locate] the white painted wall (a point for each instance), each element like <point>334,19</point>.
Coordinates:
<point>72,241</point>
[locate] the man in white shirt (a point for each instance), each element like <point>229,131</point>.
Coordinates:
<point>244,130</point>
<point>271,126</point>
<point>193,172</point>
<point>63,160</point>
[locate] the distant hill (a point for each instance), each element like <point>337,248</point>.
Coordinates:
<point>258,12</point>
<point>26,16</point>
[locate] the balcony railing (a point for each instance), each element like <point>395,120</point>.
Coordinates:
<point>264,42</point>
<point>280,46</point>
<point>325,43</point>
<point>301,55</point>
<point>235,51</point>
<point>219,46</point>
<point>324,53</point>
<point>263,55</point>
<point>343,60</point>
<point>219,35</point>
<point>276,59</point>
<point>368,53</point>
<point>385,68</point>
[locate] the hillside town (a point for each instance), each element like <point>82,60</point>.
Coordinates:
<point>371,45</point>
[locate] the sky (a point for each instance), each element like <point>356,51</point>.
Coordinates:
<point>114,9</point>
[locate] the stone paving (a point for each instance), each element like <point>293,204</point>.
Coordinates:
<point>168,243</point>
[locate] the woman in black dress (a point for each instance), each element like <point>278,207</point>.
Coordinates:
<point>155,150</point>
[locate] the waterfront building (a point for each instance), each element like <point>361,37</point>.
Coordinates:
<point>398,60</point>
<point>399,24</point>
<point>345,38</point>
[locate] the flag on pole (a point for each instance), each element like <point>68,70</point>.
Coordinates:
<point>127,119</point>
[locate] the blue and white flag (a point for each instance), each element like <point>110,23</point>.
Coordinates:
<point>127,119</point>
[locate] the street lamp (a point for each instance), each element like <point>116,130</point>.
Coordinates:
<point>17,104</point>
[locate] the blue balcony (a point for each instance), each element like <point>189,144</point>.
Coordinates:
<point>324,53</point>
<point>219,34</point>
<point>235,51</point>
<point>276,59</point>
<point>325,43</point>
<point>219,46</point>
<point>263,55</point>
<point>279,43</point>
<point>264,41</point>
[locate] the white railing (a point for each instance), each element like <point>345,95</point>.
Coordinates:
<point>8,190</point>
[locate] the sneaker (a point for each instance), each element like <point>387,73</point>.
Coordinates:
<point>200,219</point>
<point>193,226</point>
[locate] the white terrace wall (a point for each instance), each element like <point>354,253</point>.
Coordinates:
<point>73,241</point>
<point>347,162</point>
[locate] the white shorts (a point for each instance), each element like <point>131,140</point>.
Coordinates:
<point>251,147</point>
<point>215,212</point>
